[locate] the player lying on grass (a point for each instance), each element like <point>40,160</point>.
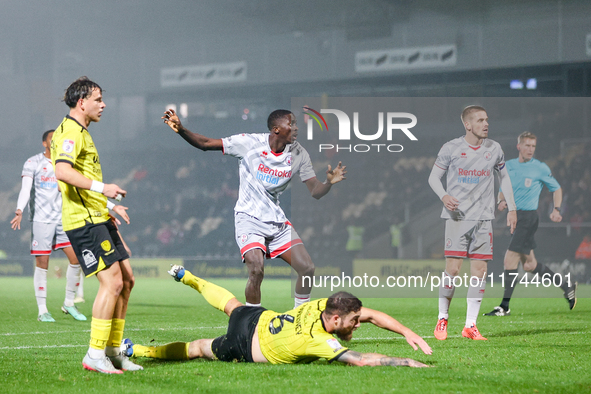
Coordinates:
<point>301,335</point>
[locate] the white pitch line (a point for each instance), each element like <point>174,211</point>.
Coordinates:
<point>127,329</point>
<point>40,347</point>
<point>140,329</point>
<point>449,336</point>
<point>354,339</point>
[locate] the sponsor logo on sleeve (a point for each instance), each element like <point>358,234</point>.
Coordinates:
<point>333,343</point>
<point>68,146</point>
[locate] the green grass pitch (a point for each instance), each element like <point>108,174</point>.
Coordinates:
<point>543,347</point>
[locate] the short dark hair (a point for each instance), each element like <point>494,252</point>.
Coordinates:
<point>46,134</point>
<point>275,116</point>
<point>469,109</point>
<point>342,303</point>
<point>80,89</point>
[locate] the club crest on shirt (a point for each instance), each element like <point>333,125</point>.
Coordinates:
<point>68,146</point>
<point>288,160</point>
<point>487,155</point>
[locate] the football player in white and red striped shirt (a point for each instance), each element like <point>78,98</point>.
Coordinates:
<point>469,205</point>
<point>268,161</point>
<point>39,190</point>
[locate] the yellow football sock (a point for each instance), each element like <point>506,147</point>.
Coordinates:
<point>99,333</point>
<point>217,296</point>
<point>170,351</point>
<point>116,335</point>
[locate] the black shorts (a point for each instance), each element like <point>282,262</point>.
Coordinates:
<point>237,343</point>
<point>97,246</point>
<point>522,240</point>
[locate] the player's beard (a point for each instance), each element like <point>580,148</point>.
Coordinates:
<point>344,334</point>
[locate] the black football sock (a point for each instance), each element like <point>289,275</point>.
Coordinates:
<point>545,272</point>
<point>510,278</point>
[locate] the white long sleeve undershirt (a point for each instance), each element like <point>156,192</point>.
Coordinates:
<point>25,193</point>
<point>435,181</point>
<point>507,189</point>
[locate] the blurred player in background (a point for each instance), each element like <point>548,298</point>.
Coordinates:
<point>86,220</point>
<point>301,335</point>
<point>528,177</point>
<point>80,292</point>
<point>39,190</point>
<point>468,210</point>
<point>268,162</point>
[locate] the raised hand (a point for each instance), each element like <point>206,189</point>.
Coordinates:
<point>171,119</point>
<point>336,175</point>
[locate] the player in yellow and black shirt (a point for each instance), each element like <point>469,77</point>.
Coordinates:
<point>301,335</point>
<point>85,219</point>
<point>72,144</point>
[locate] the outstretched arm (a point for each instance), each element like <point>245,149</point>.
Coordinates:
<point>382,320</point>
<point>197,140</point>
<point>318,189</point>
<point>374,359</point>
<point>66,173</point>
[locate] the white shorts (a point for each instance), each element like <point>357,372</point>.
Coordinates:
<point>273,239</point>
<point>469,239</point>
<point>47,236</point>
